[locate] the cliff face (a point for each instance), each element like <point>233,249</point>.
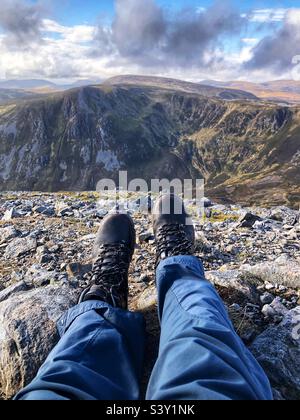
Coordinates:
<point>69,141</point>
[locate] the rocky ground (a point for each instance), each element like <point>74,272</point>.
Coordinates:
<point>251,255</point>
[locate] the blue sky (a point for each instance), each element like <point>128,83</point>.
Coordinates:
<point>78,11</point>
<point>70,39</point>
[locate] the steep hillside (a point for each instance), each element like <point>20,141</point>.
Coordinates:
<point>246,151</point>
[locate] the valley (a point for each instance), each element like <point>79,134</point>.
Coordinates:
<point>248,151</point>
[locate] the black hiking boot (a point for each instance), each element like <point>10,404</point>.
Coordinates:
<point>173,228</point>
<point>113,251</point>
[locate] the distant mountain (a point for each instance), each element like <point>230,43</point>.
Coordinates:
<point>283,86</point>
<point>81,83</point>
<point>279,91</point>
<point>12,95</point>
<point>44,86</point>
<point>26,84</point>
<point>248,152</point>
<point>183,86</point>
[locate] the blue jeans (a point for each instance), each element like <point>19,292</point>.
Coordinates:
<point>100,354</point>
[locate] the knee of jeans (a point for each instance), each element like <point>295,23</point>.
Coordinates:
<point>196,297</point>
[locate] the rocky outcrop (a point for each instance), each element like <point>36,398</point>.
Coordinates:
<point>278,351</point>
<point>282,271</point>
<point>28,332</point>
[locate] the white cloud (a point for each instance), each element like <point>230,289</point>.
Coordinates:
<point>293,17</point>
<point>250,41</point>
<point>69,51</point>
<point>201,9</point>
<point>78,33</point>
<point>67,56</point>
<point>267,15</point>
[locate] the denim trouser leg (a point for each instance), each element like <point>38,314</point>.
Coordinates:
<point>100,356</point>
<point>201,357</point>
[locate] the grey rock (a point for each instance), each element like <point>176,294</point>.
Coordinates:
<point>28,333</point>
<point>277,215</point>
<point>269,286</point>
<point>145,278</point>
<point>37,276</point>
<point>284,271</point>
<point>147,300</point>
<point>285,216</point>
<point>263,225</point>
<point>10,214</point>
<point>90,237</point>
<point>21,286</point>
<point>278,351</point>
<point>46,211</point>
<point>267,298</point>
<point>43,255</point>
<point>8,233</point>
<point>78,270</point>
<point>67,212</point>
<point>20,246</point>
<point>235,279</point>
<point>145,237</point>
<point>268,311</point>
<point>275,309</point>
<point>247,220</point>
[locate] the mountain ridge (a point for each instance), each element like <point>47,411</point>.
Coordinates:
<point>278,90</point>
<point>181,85</point>
<point>246,151</point>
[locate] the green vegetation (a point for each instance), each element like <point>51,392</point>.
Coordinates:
<point>246,151</point>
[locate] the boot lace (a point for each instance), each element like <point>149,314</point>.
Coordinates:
<point>110,273</point>
<point>172,241</point>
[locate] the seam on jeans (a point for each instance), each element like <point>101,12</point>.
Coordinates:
<point>180,305</point>
<point>186,311</point>
<point>98,332</point>
<point>93,339</point>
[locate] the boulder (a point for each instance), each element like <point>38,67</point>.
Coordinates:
<point>146,301</point>
<point>8,233</point>
<point>10,214</point>
<point>278,351</point>
<point>28,333</point>
<point>283,271</point>
<point>78,270</point>
<point>66,212</point>
<point>267,298</point>
<point>247,220</point>
<point>20,246</point>
<point>36,276</point>
<point>45,211</point>
<point>21,286</point>
<point>243,284</point>
<point>275,309</point>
